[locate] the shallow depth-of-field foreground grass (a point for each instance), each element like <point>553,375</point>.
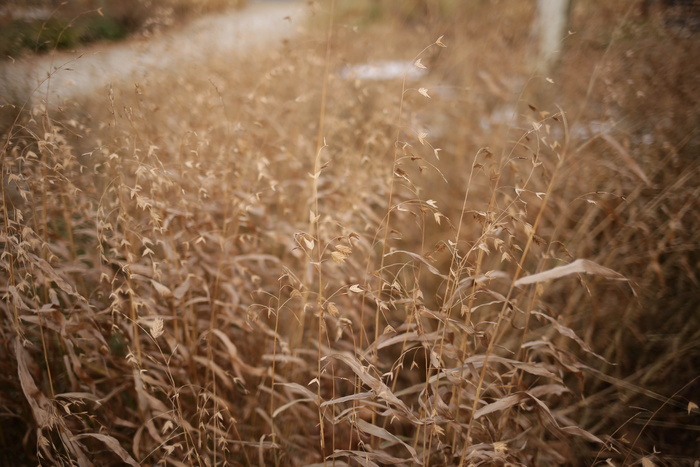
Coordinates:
<point>270,262</point>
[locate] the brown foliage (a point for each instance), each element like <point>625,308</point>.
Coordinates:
<point>286,266</point>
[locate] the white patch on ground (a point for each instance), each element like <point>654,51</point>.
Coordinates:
<point>383,70</point>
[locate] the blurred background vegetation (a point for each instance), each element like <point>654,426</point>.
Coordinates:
<point>44,25</point>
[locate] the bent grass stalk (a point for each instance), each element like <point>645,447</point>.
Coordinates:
<point>516,275</point>
<point>315,232</point>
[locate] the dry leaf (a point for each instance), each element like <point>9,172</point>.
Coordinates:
<point>313,217</point>
<point>381,433</point>
<point>162,290</point>
<point>182,289</point>
<point>233,354</point>
<point>51,274</point>
<point>352,397</point>
<point>514,399</point>
<point>568,332</point>
<point>420,258</point>
<point>112,444</point>
<point>627,158</point>
<point>309,242</point>
<point>381,390</point>
<point>364,458</point>
<point>293,402</point>
<point>580,266</point>
<point>424,92</point>
<point>500,404</point>
<point>38,402</point>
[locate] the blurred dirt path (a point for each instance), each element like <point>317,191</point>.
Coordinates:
<point>222,36</point>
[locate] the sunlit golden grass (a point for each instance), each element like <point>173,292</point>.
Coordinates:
<point>266,263</point>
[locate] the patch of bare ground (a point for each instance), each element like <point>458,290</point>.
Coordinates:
<point>62,76</point>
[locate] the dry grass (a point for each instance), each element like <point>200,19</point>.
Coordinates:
<point>279,267</point>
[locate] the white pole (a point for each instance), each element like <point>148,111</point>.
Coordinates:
<point>550,26</point>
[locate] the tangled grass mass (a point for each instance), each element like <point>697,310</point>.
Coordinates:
<point>270,261</point>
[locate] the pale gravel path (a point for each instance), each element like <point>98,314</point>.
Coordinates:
<point>260,25</point>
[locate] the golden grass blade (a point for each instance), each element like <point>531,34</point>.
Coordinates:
<point>335,462</point>
<point>407,337</point>
<point>162,290</point>
<point>568,332</point>
<point>580,266</point>
<point>222,375</point>
<point>286,406</point>
<point>51,274</point>
<point>546,389</point>
<point>514,399</point>
<point>235,358</point>
<point>352,397</point>
<point>39,403</point>
<point>367,458</point>
<point>299,389</point>
<point>572,430</point>
<point>381,390</point>
<point>627,158</point>
<point>182,289</point>
<point>385,435</point>
<point>113,445</point>
<point>420,258</point>
<point>74,448</point>
<point>501,404</point>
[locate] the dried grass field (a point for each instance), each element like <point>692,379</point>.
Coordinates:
<point>278,259</point>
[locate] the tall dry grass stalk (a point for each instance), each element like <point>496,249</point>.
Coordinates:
<point>290,267</point>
